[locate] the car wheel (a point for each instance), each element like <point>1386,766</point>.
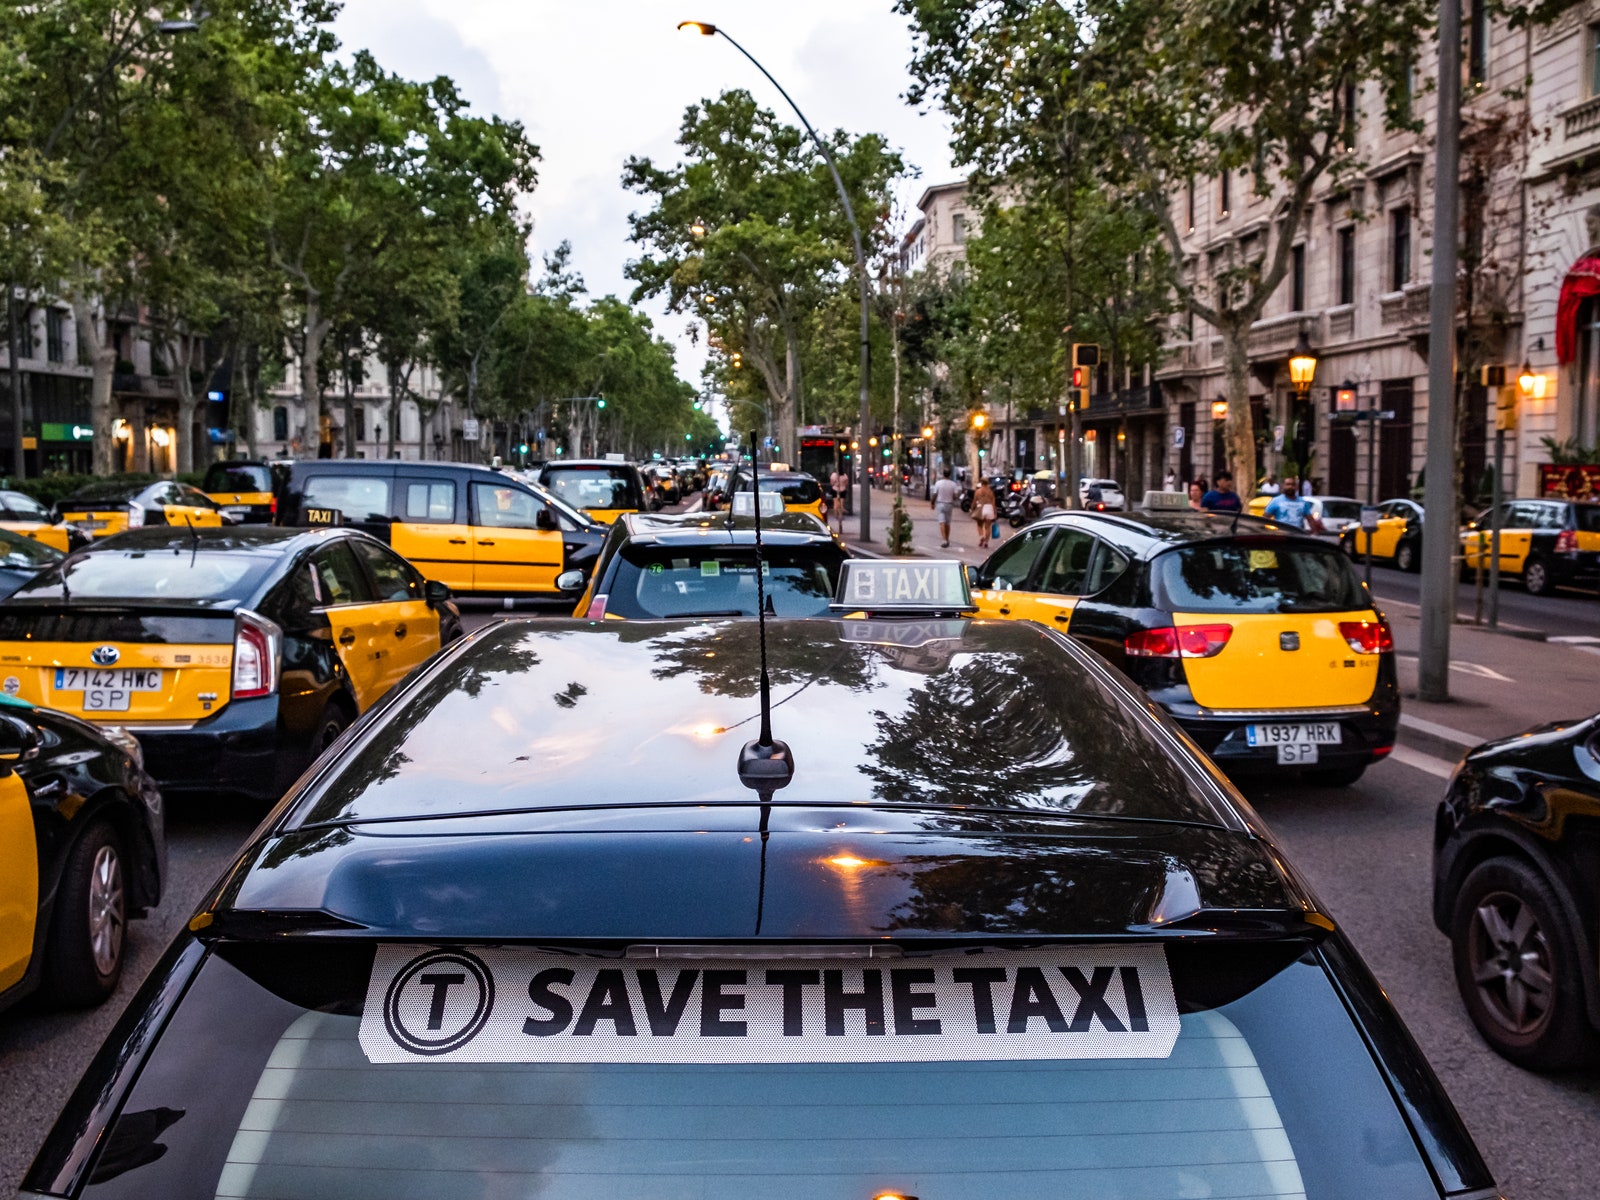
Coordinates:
<point>1517,967</point>
<point>335,720</point>
<point>1405,556</point>
<point>1536,577</point>
<point>1348,544</point>
<point>89,920</point>
<point>1336,776</point>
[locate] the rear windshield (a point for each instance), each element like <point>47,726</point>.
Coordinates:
<point>153,575</point>
<point>1266,576</point>
<point>794,489</point>
<point>1341,510</point>
<point>671,581</point>
<point>354,497</point>
<point>105,493</point>
<point>243,477</point>
<point>18,504</point>
<point>1588,516</point>
<point>259,1087</point>
<point>595,487</point>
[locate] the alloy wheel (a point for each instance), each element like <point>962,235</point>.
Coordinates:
<point>107,909</point>
<point>1510,963</point>
<point>1534,578</point>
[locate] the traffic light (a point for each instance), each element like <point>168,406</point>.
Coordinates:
<point>1085,357</point>
<point>1493,376</point>
<point>600,403</point>
<point>738,360</point>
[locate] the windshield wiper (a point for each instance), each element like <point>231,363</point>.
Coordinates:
<point>710,612</point>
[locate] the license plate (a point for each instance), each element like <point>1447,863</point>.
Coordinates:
<point>107,690</point>
<point>322,516</point>
<point>1296,743</point>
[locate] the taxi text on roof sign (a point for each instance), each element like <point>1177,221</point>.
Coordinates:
<point>902,583</point>
<point>505,1004</point>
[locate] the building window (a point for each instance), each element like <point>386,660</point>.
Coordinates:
<point>1189,204</point>
<point>958,228</point>
<point>361,422</point>
<point>55,346</point>
<point>25,347</point>
<point>1478,42</point>
<point>1224,195</point>
<point>1400,248</point>
<point>280,424</point>
<point>1350,116</point>
<point>1594,60</point>
<point>1297,278</point>
<point>1347,265</point>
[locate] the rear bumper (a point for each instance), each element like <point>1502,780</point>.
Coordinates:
<point>236,751</point>
<point>1365,735</point>
<point>1581,568</point>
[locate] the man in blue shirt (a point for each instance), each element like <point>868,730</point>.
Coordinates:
<point>1222,497</point>
<point>1288,508</point>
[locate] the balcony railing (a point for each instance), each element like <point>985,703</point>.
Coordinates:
<point>1585,118</point>
<point>1139,399</point>
<point>1406,309</point>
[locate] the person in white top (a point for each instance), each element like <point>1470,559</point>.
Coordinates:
<point>945,496</point>
<point>839,484</point>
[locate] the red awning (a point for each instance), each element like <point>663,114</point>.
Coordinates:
<point>1581,282</point>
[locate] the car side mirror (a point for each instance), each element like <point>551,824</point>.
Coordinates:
<point>545,519</point>
<point>569,581</point>
<point>19,741</point>
<point>435,592</point>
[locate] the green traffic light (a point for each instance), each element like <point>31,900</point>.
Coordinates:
<point>601,403</point>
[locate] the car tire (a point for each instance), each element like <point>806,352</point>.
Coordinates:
<point>335,720</point>
<point>1536,576</point>
<point>1517,967</point>
<point>1405,556</point>
<point>1336,776</point>
<point>88,924</point>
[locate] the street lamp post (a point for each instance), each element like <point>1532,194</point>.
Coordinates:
<point>1302,370</point>
<point>706,29</point>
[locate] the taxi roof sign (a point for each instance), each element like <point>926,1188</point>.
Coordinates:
<point>1159,501</point>
<point>744,504</point>
<point>903,586</point>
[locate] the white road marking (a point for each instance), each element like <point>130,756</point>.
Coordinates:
<point>1425,763</point>
<point>1444,732</point>
<point>1470,668</point>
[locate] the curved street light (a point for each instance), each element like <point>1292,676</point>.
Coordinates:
<point>706,29</point>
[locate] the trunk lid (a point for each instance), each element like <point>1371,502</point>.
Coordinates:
<point>1282,661</point>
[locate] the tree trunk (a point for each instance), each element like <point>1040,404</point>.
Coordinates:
<point>184,457</point>
<point>314,329</point>
<point>1241,436</point>
<point>103,360</point>
<point>14,343</point>
<point>787,442</point>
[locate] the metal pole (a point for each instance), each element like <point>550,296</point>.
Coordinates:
<point>1372,489</point>
<point>861,272</point>
<point>1495,517</point>
<point>1438,582</point>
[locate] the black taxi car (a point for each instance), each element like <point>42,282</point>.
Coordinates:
<point>1516,886</point>
<point>103,509</point>
<point>243,488</point>
<point>838,947</point>
<point>479,531</point>
<point>21,558</point>
<point>1258,640</point>
<point>1545,543</point>
<point>82,850</point>
<point>698,565</point>
<point>233,655</point>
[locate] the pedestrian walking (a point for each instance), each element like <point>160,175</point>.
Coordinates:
<point>1172,481</point>
<point>839,487</point>
<point>1222,497</point>
<point>1289,508</point>
<point>984,510</point>
<point>945,495</point>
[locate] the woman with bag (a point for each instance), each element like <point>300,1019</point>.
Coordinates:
<point>983,512</point>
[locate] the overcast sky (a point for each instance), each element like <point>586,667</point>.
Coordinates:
<point>599,80</point>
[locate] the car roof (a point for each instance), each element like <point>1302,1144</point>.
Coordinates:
<point>392,466</point>
<point>1000,779</point>
<point>1149,533</point>
<point>557,464</point>
<point>109,490</point>
<point>689,529</point>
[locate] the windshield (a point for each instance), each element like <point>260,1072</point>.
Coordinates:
<point>240,477</point>
<point>1265,575</point>
<point>19,551</point>
<point>674,581</point>
<point>595,487</point>
<point>19,505</point>
<point>179,573</point>
<point>261,1086</point>
<point>1341,510</point>
<point>104,494</point>
<point>795,489</point>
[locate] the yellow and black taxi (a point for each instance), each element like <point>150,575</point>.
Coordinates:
<point>103,509</point>
<point>1259,641</point>
<point>233,655</point>
<point>243,489</point>
<point>603,488</point>
<point>21,513</point>
<point>478,531</point>
<point>1545,543</point>
<point>1516,889</point>
<point>82,851</point>
<point>1397,539</point>
<point>704,565</point>
<point>21,558</point>
<point>860,941</point>
<point>799,491</point>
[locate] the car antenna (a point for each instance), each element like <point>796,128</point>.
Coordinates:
<point>765,764</point>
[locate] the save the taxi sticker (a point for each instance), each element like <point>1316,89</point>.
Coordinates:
<point>503,1004</point>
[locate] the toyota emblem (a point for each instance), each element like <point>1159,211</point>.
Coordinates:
<point>104,656</point>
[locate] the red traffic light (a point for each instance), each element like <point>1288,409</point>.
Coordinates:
<point>1077,376</point>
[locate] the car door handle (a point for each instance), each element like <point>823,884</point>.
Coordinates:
<point>485,542</point>
<point>1005,610</point>
<point>399,631</point>
<point>1064,617</point>
<point>347,638</point>
<point>458,541</point>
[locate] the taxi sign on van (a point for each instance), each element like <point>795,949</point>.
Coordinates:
<point>512,1004</point>
<point>903,585</point>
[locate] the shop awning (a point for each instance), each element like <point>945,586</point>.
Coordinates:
<point>1582,281</point>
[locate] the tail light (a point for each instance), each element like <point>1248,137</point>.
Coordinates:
<point>135,515</point>
<point>1566,542</point>
<point>1178,641</point>
<point>597,608</point>
<point>272,506</point>
<point>255,655</point>
<point>1368,637</point>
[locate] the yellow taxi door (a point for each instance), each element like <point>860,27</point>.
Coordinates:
<point>409,629</point>
<point>1059,580</point>
<point>1002,582</point>
<point>430,531</point>
<point>355,621</point>
<point>19,880</point>
<point>510,552</point>
<point>1516,538</point>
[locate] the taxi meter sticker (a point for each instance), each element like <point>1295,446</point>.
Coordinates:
<point>504,1004</point>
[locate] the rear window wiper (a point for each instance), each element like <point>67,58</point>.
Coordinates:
<point>710,612</point>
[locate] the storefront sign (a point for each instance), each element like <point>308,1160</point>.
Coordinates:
<point>52,431</point>
<point>1569,482</point>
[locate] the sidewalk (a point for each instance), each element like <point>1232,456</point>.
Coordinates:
<point>925,529</point>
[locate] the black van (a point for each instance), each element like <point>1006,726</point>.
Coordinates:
<point>472,528</point>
